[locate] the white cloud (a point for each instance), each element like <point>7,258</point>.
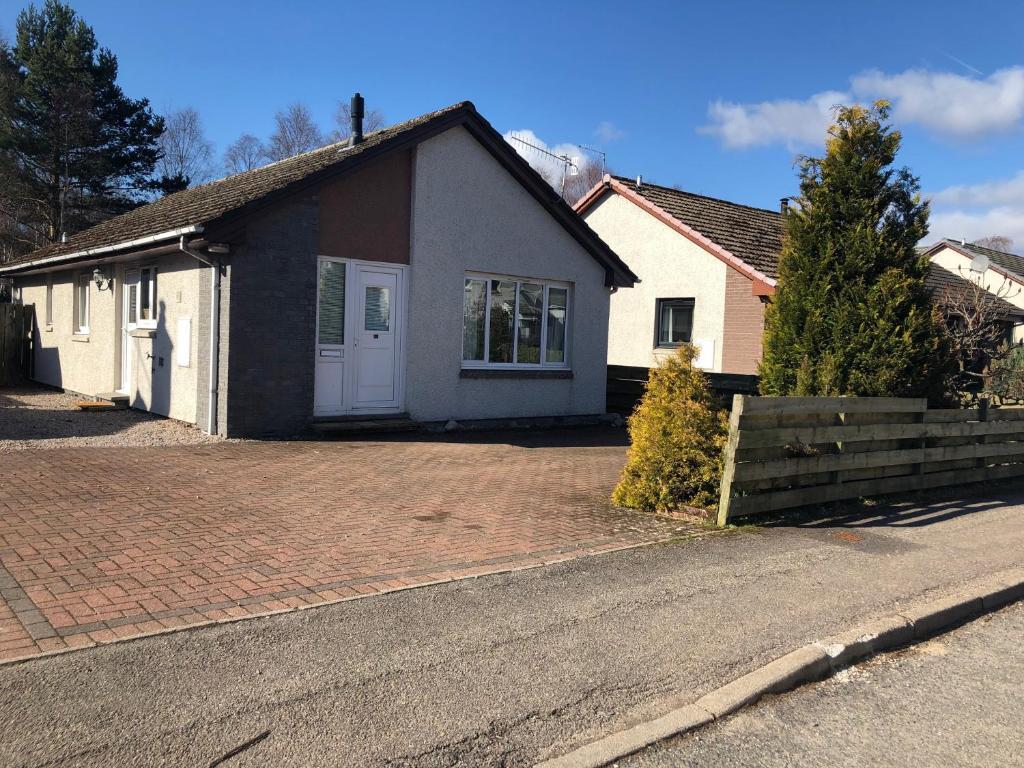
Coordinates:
<point>608,132</point>
<point>785,121</point>
<point>953,105</point>
<point>980,210</point>
<point>990,193</point>
<point>956,106</point>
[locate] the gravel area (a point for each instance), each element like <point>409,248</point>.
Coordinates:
<point>34,417</point>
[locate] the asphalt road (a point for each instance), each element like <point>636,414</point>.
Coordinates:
<point>953,701</point>
<point>500,670</point>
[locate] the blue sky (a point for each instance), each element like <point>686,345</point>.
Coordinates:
<point>717,97</point>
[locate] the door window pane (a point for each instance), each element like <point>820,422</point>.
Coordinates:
<point>556,325</point>
<point>531,299</point>
<point>331,318</point>
<point>503,308</point>
<point>474,316</point>
<point>377,308</point>
<point>133,303</point>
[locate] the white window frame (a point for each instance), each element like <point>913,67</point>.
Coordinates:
<point>153,273</point>
<point>49,298</point>
<point>546,285</point>
<point>80,298</point>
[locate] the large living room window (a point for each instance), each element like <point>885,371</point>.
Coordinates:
<point>514,323</point>
<point>674,320</point>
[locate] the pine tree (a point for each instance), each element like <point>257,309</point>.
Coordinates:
<point>73,148</point>
<point>852,315</point>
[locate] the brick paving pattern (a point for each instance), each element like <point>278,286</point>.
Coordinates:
<point>101,544</point>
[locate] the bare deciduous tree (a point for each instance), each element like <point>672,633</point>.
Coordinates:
<point>295,132</point>
<point>373,120</point>
<point>978,323</point>
<point>996,243</point>
<point>577,185</point>
<point>185,151</point>
<point>244,155</point>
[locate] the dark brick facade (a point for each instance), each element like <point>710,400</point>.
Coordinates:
<point>267,347</point>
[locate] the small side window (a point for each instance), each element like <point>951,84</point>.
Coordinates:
<point>49,298</point>
<point>674,322</point>
<point>81,302</point>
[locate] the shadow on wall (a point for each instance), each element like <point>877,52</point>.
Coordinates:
<point>45,360</point>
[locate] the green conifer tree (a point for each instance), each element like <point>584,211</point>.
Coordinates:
<point>74,148</point>
<point>852,315</point>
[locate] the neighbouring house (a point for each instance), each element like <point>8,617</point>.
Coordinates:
<point>707,267</point>
<point>1000,273</point>
<point>424,269</point>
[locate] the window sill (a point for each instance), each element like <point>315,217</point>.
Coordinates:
<point>142,333</point>
<point>515,373</point>
<point>81,337</point>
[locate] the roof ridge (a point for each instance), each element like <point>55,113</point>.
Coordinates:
<point>697,194</point>
<point>965,244</point>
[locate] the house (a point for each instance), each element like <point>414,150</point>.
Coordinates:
<point>1001,273</point>
<point>424,269</point>
<point>954,295</point>
<point>707,268</point>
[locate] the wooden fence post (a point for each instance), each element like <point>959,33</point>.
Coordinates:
<point>729,468</point>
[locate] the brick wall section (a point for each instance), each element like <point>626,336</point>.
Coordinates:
<point>272,307</point>
<point>744,326</point>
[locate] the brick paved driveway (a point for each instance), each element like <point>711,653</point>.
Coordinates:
<point>99,544</point>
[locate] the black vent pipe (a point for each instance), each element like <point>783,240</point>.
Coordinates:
<point>356,113</point>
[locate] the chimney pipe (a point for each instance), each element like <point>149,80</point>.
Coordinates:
<point>356,113</point>
<point>784,205</point>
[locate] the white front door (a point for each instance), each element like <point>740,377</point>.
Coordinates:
<point>376,340</point>
<point>358,346</point>
<point>129,322</point>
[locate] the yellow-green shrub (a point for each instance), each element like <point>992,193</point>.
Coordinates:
<point>677,434</point>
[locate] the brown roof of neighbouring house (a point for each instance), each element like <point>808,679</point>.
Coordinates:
<point>947,285</point>
<point>753,235</point>
<point>209,203</point>
<point>1010,262</point>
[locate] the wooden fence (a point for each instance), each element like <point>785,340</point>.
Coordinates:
<point>627,383</point>
<point>15,343</point>
<point>788,452</point>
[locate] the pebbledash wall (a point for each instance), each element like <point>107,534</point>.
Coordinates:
<point>90,364</point>
<point>469,214</point>
<point>466,214</point>
<point>669,267</point>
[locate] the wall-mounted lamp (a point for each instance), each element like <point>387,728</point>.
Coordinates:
<point>102,281</point>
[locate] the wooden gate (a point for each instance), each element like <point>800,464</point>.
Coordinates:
<point>15,343</point>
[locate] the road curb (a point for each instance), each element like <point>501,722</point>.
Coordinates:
<point>810,663</point>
